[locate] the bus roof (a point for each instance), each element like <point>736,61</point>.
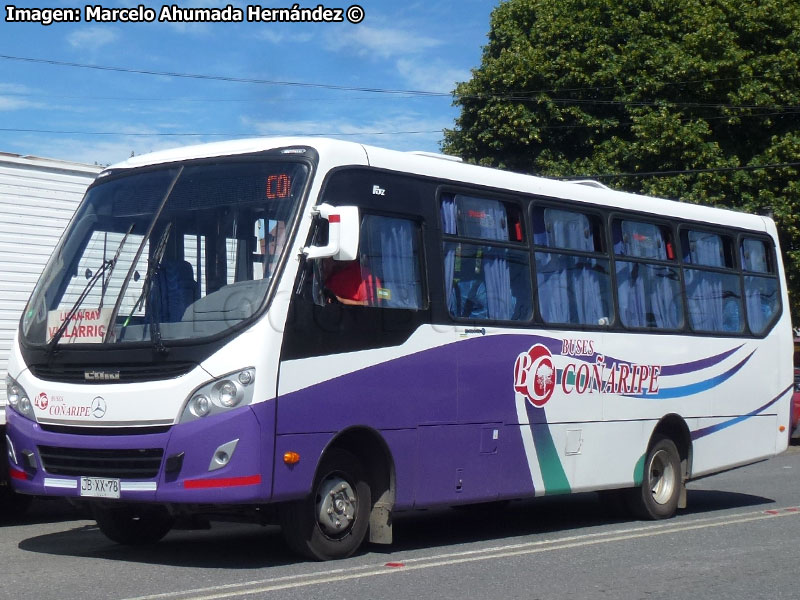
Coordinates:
<point>337,153</point>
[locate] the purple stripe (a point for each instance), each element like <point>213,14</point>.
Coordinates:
<point>700,433</point>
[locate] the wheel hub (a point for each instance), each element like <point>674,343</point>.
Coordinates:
<point>662,477</point>
<point>336,506</point>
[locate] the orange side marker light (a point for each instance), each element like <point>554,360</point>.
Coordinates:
<point>291,458</point>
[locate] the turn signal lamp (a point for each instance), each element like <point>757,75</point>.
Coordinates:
<point>291,458</point>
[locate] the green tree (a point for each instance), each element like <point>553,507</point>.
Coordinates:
<point>598,87</point>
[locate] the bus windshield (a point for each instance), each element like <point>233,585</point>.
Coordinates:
<point>174,253</point>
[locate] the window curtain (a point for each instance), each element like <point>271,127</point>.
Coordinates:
<point>714,301</point>
<point>705,249</point>
<point>761,296</point>
<point>566,229</point>
<point>754,256</point>
<point>449,228</point>
<point>483,219</point>
<point>569,286</point>
<point>399,265</point>
<point>389,255</point>
<point>499,301</point>
<point>553,285</point>
<point>632,308</point>
<point>649,296</point>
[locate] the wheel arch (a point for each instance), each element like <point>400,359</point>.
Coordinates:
<point>369,446</point>
<point>675,428</point>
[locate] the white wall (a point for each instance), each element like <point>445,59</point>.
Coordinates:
<point>37,199</point>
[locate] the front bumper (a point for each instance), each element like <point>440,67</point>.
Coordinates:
<point>172,465</point>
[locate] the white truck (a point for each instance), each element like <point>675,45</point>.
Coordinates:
<point>37,199</point>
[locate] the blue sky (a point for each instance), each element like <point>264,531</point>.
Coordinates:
<point>92,115</point>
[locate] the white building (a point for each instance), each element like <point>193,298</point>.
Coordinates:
<point>37,199</point>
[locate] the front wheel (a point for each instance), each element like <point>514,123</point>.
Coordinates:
<point>332,522</point>
<point>658,496</point>
<point>133,524</point>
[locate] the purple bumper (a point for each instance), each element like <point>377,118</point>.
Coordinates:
<point>175,465</point>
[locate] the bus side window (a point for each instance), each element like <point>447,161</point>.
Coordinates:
<point>572,269</point>
<point>762,298</point>
<point>387,273</point>
<point>713,291</point>
<point>649,288</point>
<point>489,278</point>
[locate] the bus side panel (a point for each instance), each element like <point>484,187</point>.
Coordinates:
<point>399,393</point>
<point>718,442</point>
<point>470,463</point>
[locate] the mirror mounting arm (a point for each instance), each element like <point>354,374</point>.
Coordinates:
<point>343,233</point>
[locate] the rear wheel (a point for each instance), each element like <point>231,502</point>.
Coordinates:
<point>133,524</point>
<point>658,496</point>
<point>332,522</point>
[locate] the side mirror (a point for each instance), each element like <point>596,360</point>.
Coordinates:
<point>343,230</point>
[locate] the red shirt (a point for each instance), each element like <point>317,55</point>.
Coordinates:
<point>350,282</point>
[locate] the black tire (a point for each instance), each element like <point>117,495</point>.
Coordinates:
<point>332,522</point>
<point>133,524</point>
<point>658,496</point>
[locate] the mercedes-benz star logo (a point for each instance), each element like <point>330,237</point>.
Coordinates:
<point>98,408</point>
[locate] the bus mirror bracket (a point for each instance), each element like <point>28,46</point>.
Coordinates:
<point>343,230</point>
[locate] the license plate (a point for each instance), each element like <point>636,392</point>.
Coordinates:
<point>99,487</point>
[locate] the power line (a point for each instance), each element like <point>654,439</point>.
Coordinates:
<point>527,96</point>
<point>685,171</point>
<point>324,86</point>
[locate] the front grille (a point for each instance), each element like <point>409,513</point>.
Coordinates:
<point>98,431</point>
<point>127,373</point>
<point>121,464</point>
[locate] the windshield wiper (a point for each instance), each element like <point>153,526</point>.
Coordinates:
<point>153,265</point>
<point>124,288</point>
<point>106,267</point>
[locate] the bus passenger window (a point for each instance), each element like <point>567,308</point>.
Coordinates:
<point>760,284</point>
<point>572,271</point>
<point>713,292</point>
<point>488,280</point>
<point>649,287</point>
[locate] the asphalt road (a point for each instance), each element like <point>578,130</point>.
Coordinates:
<point>739,539</point>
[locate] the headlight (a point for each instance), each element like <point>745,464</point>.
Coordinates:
<point>18,398</point>
<point>200,406</point>
<point>235,389</point>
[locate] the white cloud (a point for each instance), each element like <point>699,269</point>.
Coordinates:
<point>284,36</point>
<point>12,103</point>
<point>430,76</point>
<point>376,42</point>
<point>107,150</point>
<point>92,38</point>
<point>14,96</point>
<point>399,132</point>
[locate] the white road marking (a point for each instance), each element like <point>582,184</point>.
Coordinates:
<point>456,558</point>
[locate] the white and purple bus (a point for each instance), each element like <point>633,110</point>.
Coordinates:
<point>492,336</point>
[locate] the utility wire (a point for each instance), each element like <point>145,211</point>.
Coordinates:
<point>527,96</point>
<point>685,171</point>
<point>324,86</point>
